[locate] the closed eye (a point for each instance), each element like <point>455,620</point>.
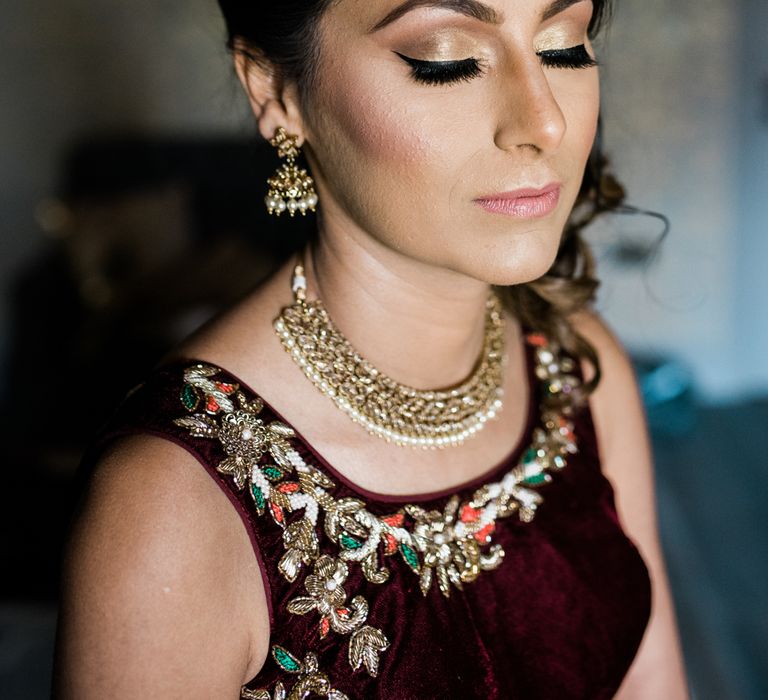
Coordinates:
<point>574,57</point>
<point>442,72</point>
<point>449,72</point>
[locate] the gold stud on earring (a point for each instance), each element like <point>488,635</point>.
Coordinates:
<point>291,188</point>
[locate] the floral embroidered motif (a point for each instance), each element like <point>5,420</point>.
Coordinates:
<point>328,597</point>
<point>455,560</point>
<point>310,680</point>
<point>452,546</point>
<point>244,437</point>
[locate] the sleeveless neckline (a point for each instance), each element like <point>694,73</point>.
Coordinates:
<point>506,463</point>
<point>368,596</point>
<point>489,594</point>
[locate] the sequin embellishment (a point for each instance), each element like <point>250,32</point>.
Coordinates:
<point>451,547</point>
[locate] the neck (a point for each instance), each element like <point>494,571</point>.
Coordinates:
<point>420,324</point>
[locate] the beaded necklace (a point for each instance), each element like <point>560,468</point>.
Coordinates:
<point>384,407</point>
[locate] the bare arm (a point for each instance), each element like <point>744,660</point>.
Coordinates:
<point>625,451</point>
<point>162,596</point>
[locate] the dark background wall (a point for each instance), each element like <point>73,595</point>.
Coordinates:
<point>72,68</point>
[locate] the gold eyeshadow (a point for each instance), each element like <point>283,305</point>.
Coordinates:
<point>447,45</point>
<point>559,37</point>
<point>566,30</point>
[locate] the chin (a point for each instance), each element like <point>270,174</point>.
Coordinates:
<point>515,261</point>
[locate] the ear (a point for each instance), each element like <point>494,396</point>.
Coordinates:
<point>274,102</point>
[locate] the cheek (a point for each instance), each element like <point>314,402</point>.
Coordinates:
<point>388,152</point>
<point>384,123</point>
<point>581,106</point>
<point>370,120</point>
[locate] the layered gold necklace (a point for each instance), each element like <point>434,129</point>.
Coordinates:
<point>395,412</point>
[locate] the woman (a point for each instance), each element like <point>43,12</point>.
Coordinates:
<point>452,160</point>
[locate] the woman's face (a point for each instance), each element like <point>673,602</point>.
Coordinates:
<point>428,116</point>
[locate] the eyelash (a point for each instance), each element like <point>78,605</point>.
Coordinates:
<point>574,57</point>
<point>449,72</point>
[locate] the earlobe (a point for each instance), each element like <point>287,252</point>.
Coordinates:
<point>265,91</point>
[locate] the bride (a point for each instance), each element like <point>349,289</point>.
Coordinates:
<point>414,462</point>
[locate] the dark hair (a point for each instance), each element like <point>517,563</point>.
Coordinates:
<point>284,35</point>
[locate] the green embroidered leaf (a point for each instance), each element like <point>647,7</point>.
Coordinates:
<point>536,479</point>
<point>349,542</point>
<point>190,398</point>
<point>272,473</point>
<point>258,498</point>
<point>285,659</point>
<point>410,556</point>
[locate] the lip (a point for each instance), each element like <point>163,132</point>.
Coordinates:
<point>525,203</point>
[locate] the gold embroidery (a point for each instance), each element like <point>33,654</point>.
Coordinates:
<point>453,545</point>
<point>244,437</point>
<point>309,680</point>
<point>328,597</point>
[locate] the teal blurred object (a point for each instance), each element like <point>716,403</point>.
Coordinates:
<point>667,389</point>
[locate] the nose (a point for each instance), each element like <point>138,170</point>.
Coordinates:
<point>530,118</point>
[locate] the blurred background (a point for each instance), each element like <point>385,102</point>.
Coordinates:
<point>131,192</point>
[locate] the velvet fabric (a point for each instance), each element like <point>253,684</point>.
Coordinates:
<point>561,618</point>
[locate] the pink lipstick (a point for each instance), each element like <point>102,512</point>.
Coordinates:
<point>528,203</point>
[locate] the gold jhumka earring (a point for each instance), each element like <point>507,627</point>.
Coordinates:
<point>291,188</point>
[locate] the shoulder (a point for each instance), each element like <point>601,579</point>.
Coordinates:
<point>616,404</point>
<point>626,460</point>
<point>622,431</point>
<point>614,358</point>
<point>159,580</point>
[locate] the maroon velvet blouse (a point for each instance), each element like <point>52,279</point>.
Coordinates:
<point>560,616</point>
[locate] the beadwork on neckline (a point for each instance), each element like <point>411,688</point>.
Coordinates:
<point>512,455</point>
<point>445,548</point>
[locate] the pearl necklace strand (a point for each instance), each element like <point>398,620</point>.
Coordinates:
<point>395,412</point>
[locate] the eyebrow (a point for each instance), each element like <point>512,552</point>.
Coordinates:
<point>556,7</point>
<point>470,8</point>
